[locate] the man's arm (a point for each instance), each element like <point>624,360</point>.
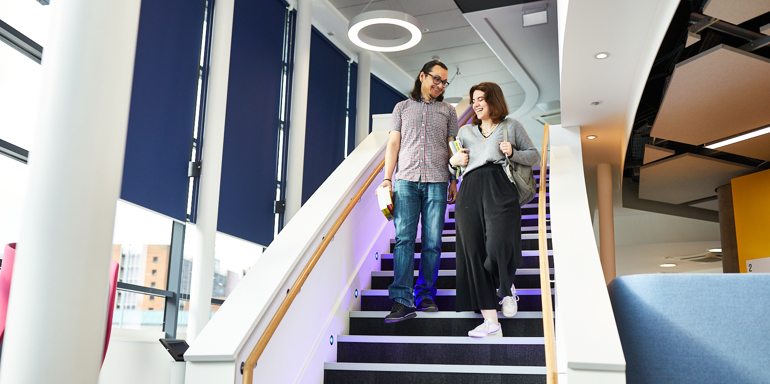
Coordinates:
<point>391,156</point>
<point>452,189</point>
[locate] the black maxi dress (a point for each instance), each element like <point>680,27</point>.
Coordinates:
<point>488,224</point>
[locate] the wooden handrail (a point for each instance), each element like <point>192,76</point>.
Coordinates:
<point>545,276</point>
<point>251,361</point>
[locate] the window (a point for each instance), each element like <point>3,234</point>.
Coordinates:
<point>141,243</point>
<point>152,285</point>
<point>138,311</point>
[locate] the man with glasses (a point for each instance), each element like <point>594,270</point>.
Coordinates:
<point>417,150</point>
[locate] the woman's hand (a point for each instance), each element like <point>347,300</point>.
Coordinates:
<point>506,148</point>
<point>460,158</point>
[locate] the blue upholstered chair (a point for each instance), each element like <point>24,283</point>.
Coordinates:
<point>694,328</point>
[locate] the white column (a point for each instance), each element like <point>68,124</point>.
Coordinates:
<point>606,221</point>
<point>58,306</point>
<point>364,90</point>
<point>211,169</point>
<point>297,120</point>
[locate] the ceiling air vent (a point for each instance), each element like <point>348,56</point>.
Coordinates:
<point>550,118</point>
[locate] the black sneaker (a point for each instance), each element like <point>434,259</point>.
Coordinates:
<point>427,305</point>
<point>400,312</point>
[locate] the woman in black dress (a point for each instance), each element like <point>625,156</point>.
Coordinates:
<point>488,215</point>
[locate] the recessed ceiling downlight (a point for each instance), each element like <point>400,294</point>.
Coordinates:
<point>715,250</point>
<point>591,137</point>
<point>370,18</point>
<point>602,55</point>
<point>668,265</point>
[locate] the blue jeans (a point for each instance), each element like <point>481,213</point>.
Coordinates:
<point>410,200</point>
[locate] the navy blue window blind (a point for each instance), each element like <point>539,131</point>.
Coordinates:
<point>327,98</point>
<point>382,98</point>
<point>352,109</point>
<point>161,118</point>
<point>248,185</point>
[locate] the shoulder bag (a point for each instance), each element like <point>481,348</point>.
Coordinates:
<point>520,175</point>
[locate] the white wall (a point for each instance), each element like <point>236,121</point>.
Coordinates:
<point>136,357</point>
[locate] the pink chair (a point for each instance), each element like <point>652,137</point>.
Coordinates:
<point>5,289</point>
<point>5,284</point>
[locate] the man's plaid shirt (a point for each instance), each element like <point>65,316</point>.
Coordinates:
<point>425,128</point>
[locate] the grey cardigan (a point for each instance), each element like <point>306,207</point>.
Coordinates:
<point>482,150</point>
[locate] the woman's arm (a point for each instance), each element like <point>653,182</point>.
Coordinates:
<point>524,152</point>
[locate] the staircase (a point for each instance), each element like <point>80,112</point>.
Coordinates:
<point>435,347</point>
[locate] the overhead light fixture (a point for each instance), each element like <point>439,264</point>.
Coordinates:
<point>591,137</point>
<point>668,265</point>
<point>535,16</point>
<point>597,102</point>
<point>370,18</point>
<point>739,138</point>
<point>602,55</point>
<point>715,250</point>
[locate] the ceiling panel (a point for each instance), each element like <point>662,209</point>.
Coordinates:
<point>712,204</point>
<point>441,21</point>
<point>653,153</point>
<point>687,177</point>
<point>499,77</point>
<point>758,148</point>
<point>475,66</point>
<point>448,56</point>
<point>350,8</point>
<point>424,7</point>
<point>736,12</point>
<point>449,38</point>
<point>718,93</point>
<point>512,89</point>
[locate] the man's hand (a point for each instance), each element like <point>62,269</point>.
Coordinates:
<point>387,184</point>
<point>452,191</point>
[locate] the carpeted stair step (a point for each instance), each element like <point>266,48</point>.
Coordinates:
<point>357,373</point>
<point>529,241</point>
<point>378,300</point>
<point>455,350</point>
<point>443,323</point>
<point>525,278</point>
<point>448,260</point>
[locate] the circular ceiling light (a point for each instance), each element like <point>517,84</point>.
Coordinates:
<point>668,265</point>
<point>591,137</point>
<point>602,55</point>
<point>400,19</point>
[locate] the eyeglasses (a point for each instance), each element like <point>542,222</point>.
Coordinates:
<point>438,81</point>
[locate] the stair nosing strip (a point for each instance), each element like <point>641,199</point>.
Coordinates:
<point>439,340</point>
<point>446,315</point>
<point>524,236</point>
<point>452,255</point>
<point>452,272</point>
<point>453,292</point>
<point>443,368</point>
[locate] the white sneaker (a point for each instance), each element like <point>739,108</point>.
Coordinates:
<point>509,306</point>
<point>509,303</point>
<point>487,329</point>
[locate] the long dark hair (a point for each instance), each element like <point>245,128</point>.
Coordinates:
<point>416,93</point>
<point>493,95</point>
